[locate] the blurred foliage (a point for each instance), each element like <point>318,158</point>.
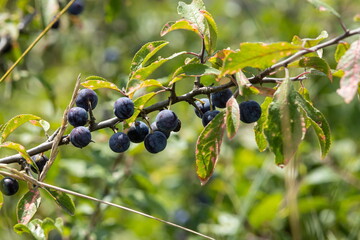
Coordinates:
<point>246,197</point>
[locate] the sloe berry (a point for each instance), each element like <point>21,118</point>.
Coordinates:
<point>77,116</point>
<point>77,7</point>
<point>9,186</point>
<point>56,25</point>
<point>123,108</point>
<point>5,44</point>
<point>219,99</point>
<point>80,137</point>
<point>155,128</point>
<point>178,126</point>
<point>203,105</point>
<point>208,116</point>
<point>155,142</point>
<point>138,131</point>
<point>119,142</point>
<point>166,120</point>
<point>40,161</point>
<point>250,111</point>
<point>85,97</point>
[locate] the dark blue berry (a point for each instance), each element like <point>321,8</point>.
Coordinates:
<point>56,25</point>
<point>40,161</point>
<point>80,137</point>
<point>138,131</point>
<point>119,142</point>
<point>208,116</point>
<point>219,99</point>
<point>203,105</point>
<point>123,108</point>
<point>166,120</point>
<point>155,142</point>
<point>5,44</point>
<point>155,128</point>
<point>77,116</point>
<point>250,111</point>
<point>86,97</point>
<point>77,7</point>
<point>178,126</point>
<point>9,186</point>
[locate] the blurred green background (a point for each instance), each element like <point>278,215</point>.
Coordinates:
<point>248,197</point>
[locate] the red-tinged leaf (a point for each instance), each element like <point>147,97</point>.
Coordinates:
<point>63,200</point>
<point>210,37</point>
<point>191,12</point>
<point>41,123</point>
<point>218,59</point>
<point>28,205</point>
<point>144,84</point>
<point>193,70</point>
<point>181,24</point>
<point>257,55</point>
<point>147,51</point>
<point>350,64</point>
<point>260,125</point>
<point>341,49</point>
<point>208,147</point>
<point>265,91</point>
<point>20,148</point>
<point>96,84</point>
<point>318,64</point>
<point>14,123</point>
<point>232,117</point>
<point>139,104</point>
<point>324,7</point>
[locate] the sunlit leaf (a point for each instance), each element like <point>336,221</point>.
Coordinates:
<point>144,84</point>
<point>28,205</point>
<point>265,211</point>
<point>17,147</point>
<point>309,42</point>
<point>323,7</point>
<point>211,35</point>
<point>41,123</point>
<point>95,78</point>
<point>96,84</point>
<point>257,55</point>
<point>192,13</point>
<point>218,59</point>
<point>14,123</point>
<point>232,117</point>
<point>1,200</point>
<point>208,147</point>
<point>139,104</point>
<point>193,70</point>
<point>261,123</point>
<point>63,200</point>
<point>39,229</point>
<point>357,18</point>
<point>341,48</point>
<point>350,64</point>
<point>181,24</point>
<point>316,63</point>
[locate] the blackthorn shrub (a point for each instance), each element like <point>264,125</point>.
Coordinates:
<point>76,8</point>
<point>80,137</point>
<point>77,116</point>
<point>219,99</point>
<point>166,120</point>
<point>9,186</point>
<point>203,105</point>
<point>155,142</point>
<point>40,161</point>
<point>85,97</point>
<point>123,108</point>
<point>155,128</point>
<point>208,116</point>
<point>119,142</point>
<point>250,111</point>
<point>138,131</point>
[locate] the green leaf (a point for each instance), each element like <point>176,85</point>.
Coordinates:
<point>257,55</point>
<point>211,36</point>
<point>318,122</point>
<point>232,117</point>
<point>63,200</point>
<point>49,224</point>
<point>41,123</point>
<point>309,42</point>
<point>283,129</point>
<point>96,84</point>
<point>192,13</point>
<point>21,228</point>
<point>193,70</point>
<point>28,205</point>
<point>145,53</point>
<point>139,104</point>
<point>323,7</point>
<point>181,24</point>
<point>318,64</point>
<point>217,60</point>
<point>341,49</point>
<point>1,200</point>
<point>144,72</point>
<point>261,123</point>
<point>14,123</point>
<point>265,211</point>
<point>20,148</point>
<point>208,147</point>
<point>39,229</point>
<point>146,83</point>
<point>95,78</point>
<point>350,64</point>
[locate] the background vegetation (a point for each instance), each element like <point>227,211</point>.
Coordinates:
<point>247,196</point>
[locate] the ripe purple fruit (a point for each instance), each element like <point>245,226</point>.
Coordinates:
<point>219,99</point>
<point>40,161</point>
<point>178,126</point>
<point>166,120</point>
<point>203,105</point>
<point>208,116</point>
<point>155,142</point>
<point>86,97</point>
<point>155,128</point>
<point>9,186</point>
<point>80,137</point>
<point>119,142</point>
<point>77,116</point>
<point>250,111</point>
<point>138,131</point>
<point>123,108</point>
<point>76,8</point>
